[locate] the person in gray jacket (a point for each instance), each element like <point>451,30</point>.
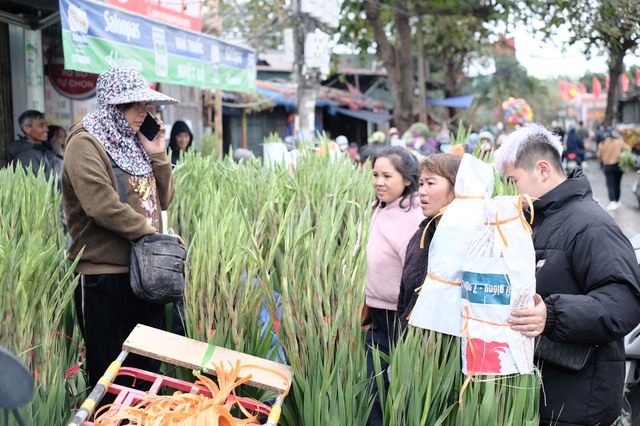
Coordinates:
<point>30,150</point>
<point>587,281</point>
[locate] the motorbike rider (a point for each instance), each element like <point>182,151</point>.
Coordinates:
<point>575,145</point>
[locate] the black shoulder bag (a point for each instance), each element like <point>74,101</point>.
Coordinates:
<point>157,264</point>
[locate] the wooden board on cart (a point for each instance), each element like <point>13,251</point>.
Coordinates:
<point>184,352</point>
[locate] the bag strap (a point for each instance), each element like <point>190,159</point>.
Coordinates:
<point>122,188</point>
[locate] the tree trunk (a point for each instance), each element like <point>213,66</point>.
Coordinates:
<point>451,85</point>
<point>616,57</point>
<point>405,72</point>
<point>422,89</point>
<point>398,61</point>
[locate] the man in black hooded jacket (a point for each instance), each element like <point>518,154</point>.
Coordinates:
<point>587,280</point>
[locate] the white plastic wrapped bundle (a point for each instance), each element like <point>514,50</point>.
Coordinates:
<point>498,277</point>
<point>438,305</point>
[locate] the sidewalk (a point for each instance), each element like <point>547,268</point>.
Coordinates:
<point>628,215</point>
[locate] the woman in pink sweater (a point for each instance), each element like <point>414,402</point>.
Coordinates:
<point>395,218</point>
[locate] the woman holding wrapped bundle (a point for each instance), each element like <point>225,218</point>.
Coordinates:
<point>437,181</point>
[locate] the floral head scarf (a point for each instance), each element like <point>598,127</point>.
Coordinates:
<point>116,86</point>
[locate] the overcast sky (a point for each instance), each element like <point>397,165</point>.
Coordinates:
<point>550,59</point>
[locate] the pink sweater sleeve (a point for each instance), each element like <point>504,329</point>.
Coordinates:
<point>391,230</point>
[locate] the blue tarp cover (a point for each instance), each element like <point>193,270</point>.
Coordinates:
<point>278,98</point>
<point>455,102</point>
<point>370,116</point>
<point>289,100</point>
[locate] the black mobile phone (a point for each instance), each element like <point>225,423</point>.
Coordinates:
<point>149,127</point>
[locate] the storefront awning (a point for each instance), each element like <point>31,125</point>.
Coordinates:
<point>455,102</point>
<point>370,116</point>
<point>279,97</point>
<point>284,94</point>
<point>96,37</point>
<point>31,14</point>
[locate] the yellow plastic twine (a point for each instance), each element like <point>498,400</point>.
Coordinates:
<point>190,409</point>
<point>442,210</point>
<point>520,216</point>
<point>433,277</point>
<point>465,329</point>
<point>424,233</point>
<point>470,197</point>
<point>521,207</point>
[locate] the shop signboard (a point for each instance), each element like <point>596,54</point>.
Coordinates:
<point>179,13</point>
<point>69,83</point>
<point>96,37</point>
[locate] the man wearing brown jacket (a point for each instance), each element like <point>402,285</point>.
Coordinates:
<point>609,154</point>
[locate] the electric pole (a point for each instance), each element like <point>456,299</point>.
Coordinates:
<point>217,101</point>
<point>307,78</point>
<point>311,56</point>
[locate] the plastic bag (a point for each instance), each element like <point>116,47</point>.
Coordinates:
<point>438,304</point>
<point>498,277</point>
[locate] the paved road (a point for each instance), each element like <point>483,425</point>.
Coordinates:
<point>628,215</point>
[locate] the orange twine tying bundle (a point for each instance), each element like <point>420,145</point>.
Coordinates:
<point>188,409</point>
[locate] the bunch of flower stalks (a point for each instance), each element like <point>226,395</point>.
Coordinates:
<point>287,242</point>
<point>427,387</point>
<point>37,283</point>
<point>425,379</point>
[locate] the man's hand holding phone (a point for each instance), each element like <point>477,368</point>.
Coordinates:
<point>152,134</point>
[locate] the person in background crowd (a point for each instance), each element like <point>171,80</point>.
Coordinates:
<point>583,132</point>
<point>601,134</point>
<point>29,150</point>
<point>558,130</point>
<point>486,143</point>
<point>106,152</point>
<point>587,281</point>
<point>500,139</point>
<point>485,139</point>
<point>180,140</point>
<point>342,142</point>
<point>353,151</point>
<point>609,154</point>
<point>395,217</point>
<point>56,137</point>
<point>394,138</point>
<point>575,144</point>
<point>377,137</point>
<point>375,145</point>
<point>437,190</point>
<point>443,143</point>
<point>444,132</point>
